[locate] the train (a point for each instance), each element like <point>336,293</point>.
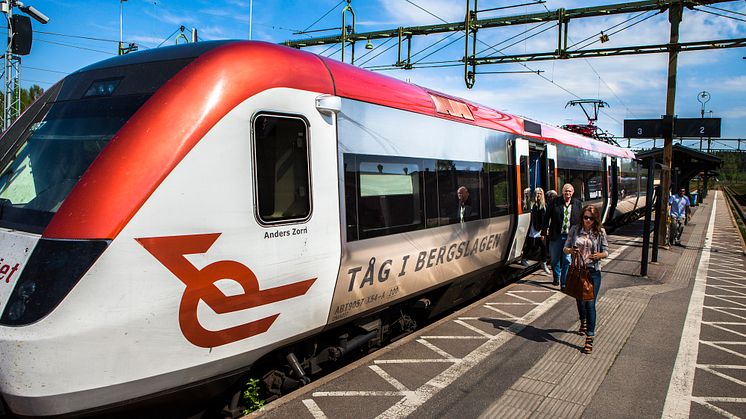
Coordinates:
<point>175,220</point>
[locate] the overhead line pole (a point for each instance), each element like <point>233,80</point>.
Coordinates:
<point>674,17</point>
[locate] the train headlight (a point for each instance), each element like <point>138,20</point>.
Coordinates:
<point>18,307</point>
<point>53,269</point>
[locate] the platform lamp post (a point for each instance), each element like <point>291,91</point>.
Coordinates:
<point>702,97</point>
<point>19,43</point>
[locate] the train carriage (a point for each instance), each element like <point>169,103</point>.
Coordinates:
<point>174,218</point>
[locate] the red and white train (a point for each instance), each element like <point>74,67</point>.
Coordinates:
<point>175,218</point>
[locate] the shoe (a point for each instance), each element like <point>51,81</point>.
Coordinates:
<point>583,328</point>
<point>555,282</point>
<point>545,268</point>
<point>523,262</point>
<point>588,348</point>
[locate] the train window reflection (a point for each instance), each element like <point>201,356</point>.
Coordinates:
<point>497,175</point>
<point>389,199</point>
<point>389,195</point>
<point>452,176</point>
<point>281,161</point>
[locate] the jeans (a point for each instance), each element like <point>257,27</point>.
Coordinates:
<point>560,261</point>
<point>587,309</point>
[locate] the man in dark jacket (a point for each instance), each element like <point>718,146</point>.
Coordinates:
<point>463,211</point>
<point>562,213</point>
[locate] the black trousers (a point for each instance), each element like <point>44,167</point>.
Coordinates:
<point>535,249</point>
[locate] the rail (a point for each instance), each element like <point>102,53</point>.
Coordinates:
<point>731,196</point>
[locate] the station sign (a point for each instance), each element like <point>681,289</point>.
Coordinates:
<point>646,128</point>
<point>682,127</point>
<point>697,127</point>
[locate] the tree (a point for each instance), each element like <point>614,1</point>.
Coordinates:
<point>28,96</point>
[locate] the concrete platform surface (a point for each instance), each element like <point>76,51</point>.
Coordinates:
<point>670,345</point>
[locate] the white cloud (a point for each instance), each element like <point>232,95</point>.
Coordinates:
<point>405,13</point>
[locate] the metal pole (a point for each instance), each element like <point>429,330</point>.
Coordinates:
<point>660,219</point>
<point>9,73</point>
<point>251,16</point>
<point>646,224</point>
<point>674,17</point>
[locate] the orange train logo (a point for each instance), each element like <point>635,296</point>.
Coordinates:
<point>200,285</point>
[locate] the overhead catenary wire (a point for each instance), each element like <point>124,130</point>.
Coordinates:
<point>441,48</point>
<point>45,69</point>
<point>75,46</point>
<point>655,13</point>
<point>375,48</point>
<point>514,60</point>
<point>718,14</point>
<point>88,38</point>
<point>724,10</point>
<point>377,55</point>
<point>37,81</point>
<point>533,28</point>
<point>180,28</point>
<point>433,44</point>
<point>319,19</point>
<point>595,35</point>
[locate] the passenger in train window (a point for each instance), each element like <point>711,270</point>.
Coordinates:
<point>535,241</point>
<point>589,242</point>
<point>464,211</point>
<point>527,201</point>
<point>680,212</point>
<point>562,213</point>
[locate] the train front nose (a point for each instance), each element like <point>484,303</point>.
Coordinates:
<point>15,250</point>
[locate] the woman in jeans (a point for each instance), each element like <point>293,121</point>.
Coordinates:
<point>588,241</point>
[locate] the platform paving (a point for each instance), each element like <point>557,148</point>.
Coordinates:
<point>672,344</point>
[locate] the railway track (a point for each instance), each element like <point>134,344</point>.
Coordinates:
<point>737,201</point>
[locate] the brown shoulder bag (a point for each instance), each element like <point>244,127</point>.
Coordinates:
<point>579,284</point>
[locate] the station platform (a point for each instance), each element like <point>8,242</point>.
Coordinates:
<point>670,345</point>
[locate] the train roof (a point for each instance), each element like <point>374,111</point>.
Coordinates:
<point>221,76</point>
<point>355,83</point>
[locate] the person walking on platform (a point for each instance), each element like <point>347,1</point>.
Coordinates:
<point>679,210</point>
<point>588,241</point>
<point>534,240</point>
<point>562,213</point>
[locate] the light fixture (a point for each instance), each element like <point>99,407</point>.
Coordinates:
<point>368,45</point>
<point>603,38</point>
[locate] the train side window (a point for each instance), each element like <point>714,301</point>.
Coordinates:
<point>281,168</point>
<point>552,180</point>
<point>452,175</point>
<point>389,196</point>
<point>497,175</point>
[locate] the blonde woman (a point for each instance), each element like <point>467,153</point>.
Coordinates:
<point>534,240</point>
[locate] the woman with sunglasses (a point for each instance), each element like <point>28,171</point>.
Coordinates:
<point>588,241</point>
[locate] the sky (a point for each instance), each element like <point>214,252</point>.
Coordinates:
<point>82,32</point>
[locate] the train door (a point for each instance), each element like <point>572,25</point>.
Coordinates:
<point>605,187</point>
<point>520,153</point>
<point>537,170</point>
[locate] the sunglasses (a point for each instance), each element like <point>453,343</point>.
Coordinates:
<point>585,217</point>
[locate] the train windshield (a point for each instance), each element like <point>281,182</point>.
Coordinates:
<point>54,151</point>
